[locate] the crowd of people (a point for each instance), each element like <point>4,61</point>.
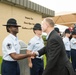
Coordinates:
<point>69,39</point>
<point>55,50</point>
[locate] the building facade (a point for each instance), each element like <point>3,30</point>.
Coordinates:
<point>26,13</point>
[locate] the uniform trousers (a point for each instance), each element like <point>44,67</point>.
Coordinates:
<point>38,67</point>
<point>68,54</point>
<point>73,58</point>
<point>10,68</point>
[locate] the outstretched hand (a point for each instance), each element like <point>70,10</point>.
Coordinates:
<point>33,55</point>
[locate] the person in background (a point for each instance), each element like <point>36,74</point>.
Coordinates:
<point>57,30</point>
<point>57,60</point>
<point>67,42</point>
<point>11,50</point>
<point>73,50</point>
<point>72,27</point>
<point>36,65</point>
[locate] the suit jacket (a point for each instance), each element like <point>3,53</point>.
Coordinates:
<point>57,60</point>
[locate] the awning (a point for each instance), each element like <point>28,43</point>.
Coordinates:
<point>67,19</point>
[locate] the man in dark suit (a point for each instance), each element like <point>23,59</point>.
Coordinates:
<point>57,60</point>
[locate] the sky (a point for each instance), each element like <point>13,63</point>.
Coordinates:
<point>58,5</point>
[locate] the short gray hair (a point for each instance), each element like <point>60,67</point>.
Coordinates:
<point>50,21</point>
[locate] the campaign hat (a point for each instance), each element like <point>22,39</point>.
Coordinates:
<point>67,31</point>
<point>12,22</point>
<point>57,29</point>
<point>37,26</point>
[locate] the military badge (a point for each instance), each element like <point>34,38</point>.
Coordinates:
<point>9,46</point>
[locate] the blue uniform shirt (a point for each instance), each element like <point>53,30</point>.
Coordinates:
<point>10,45</point>
<point>35,44</point>
<point>67,43</point>
<point>73,43</point>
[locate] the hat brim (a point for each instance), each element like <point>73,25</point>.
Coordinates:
<point>37,29</point>
<point>13,25</point>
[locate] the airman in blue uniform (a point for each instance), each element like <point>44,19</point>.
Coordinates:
<point>36,43</point>
<point>73,50</point>
<point>11,50</point>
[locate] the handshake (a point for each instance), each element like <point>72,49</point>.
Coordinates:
<point>32,54</point>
